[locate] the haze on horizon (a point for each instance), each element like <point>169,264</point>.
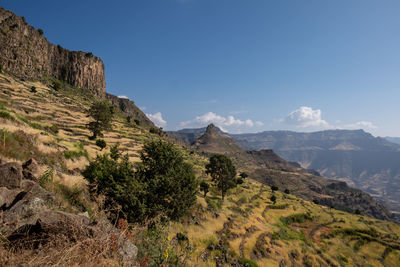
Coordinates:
<point>246,66</point>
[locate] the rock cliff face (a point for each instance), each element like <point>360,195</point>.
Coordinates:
<point>26,54</point>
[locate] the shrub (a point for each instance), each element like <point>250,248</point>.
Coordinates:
<point>239,181</point>
<point>163,182</point>
<point>274,188</point>
<point>287,191</point>
<point>33,89</point>
<point>40,31</point>
<point>247,262</point>
<point>128,119</point>
<point>204,187</point>
<point>101,143</point>
<point>243,175</point>
<point>46,177</point>
<point>296,218</point>
<point>273,199</point>
<point>53,129</point>
<point>137,121</point>
<point>57,85</point>
<point>80,152</point>
<point>155,130</point>
<point>5,115</point>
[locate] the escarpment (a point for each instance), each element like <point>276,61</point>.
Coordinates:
<point>27,54</point>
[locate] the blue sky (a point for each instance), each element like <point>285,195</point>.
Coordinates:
<point>248,66</point>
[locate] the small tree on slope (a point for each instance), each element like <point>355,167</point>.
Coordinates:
<point>223,172</point>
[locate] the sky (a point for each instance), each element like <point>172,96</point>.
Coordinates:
<point>247,66</point>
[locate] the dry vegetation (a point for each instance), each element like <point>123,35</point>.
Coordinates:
<point>246,228</point>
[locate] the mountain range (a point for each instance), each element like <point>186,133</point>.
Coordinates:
<point>356,157</point>
<point>270,169</point>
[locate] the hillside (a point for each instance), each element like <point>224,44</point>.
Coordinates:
<point>395,140</point>
<point>50,215</point>
<point>354,156</point>
<point>247,226</point>
<point>270,169</point>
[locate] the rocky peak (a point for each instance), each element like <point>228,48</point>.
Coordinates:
<point>212,130</point>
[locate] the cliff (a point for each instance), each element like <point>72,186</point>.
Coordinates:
<point>27,54</point>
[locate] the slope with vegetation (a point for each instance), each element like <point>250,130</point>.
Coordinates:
<point>254,225</point>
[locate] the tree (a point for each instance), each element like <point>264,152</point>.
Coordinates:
<point>223,172</point>
<point>101,143</point>
<point>204,187</point>
<point>118,182</point>
<point>243,175</point>
<point>170,181</point>
<point>274,188</point>
<point>273,199</point>
<point>102,113</point>
<point>162,183</point>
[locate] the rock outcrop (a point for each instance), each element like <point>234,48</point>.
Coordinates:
<point>27,54</point>
<point>28,216</point>
<point>130,109</point>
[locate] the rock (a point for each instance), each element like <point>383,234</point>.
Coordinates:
<point>29,169</point>
<point>7,197</point>
<point>84,214</point>
<point>126,249</point>
<point>26,54</point>
<point>10,175</point>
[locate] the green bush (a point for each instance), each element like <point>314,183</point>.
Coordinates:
<point>296,218</point>
<point>33,89</point>
<point>6,115</point>
<point>101,143</point>
<point>80,152</point>
<point>274,188</point>
<point>40,31</point>
<point>247,262</point>
<point>162,183</point>
<point>204,186</point>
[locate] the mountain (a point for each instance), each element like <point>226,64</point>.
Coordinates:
<point>26,54</point>
<point>270,169</point>
<point>362,160</point>
<point>369,163</point>
<point>395,140</point>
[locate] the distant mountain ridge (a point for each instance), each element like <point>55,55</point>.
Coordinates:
<point>395,140</point>
<point>270,169</point>
<point>354,156</point>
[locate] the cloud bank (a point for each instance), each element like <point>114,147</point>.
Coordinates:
<point>221,121</point>
<point>307,117</point>
<point>157,119</point>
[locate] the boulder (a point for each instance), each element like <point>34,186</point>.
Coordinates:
<point>29,169</point>
<point>8,196</point>
<point>10,175</point>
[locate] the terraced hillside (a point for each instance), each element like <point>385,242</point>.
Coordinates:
<point>249,228</point>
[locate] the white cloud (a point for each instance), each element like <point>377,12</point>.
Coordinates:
<point>143,108</point>
<point>305,117</point>
<point>360,125</point>
<point>123,96</point>
<point>157,119</point>
<point>220,121</point>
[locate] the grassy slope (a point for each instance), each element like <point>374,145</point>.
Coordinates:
<point>247,225</point>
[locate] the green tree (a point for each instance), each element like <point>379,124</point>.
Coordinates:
<point>117,181</point>
<point>102,113</point>
<point>170,181</point>
<point>222,172</point>
<point>204,186</point>
<point>101,143</point>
